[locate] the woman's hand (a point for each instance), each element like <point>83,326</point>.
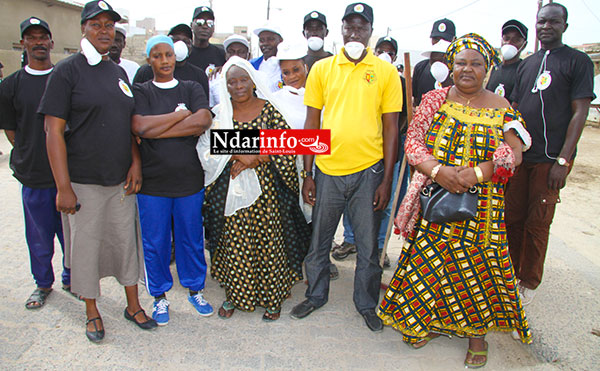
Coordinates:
<point>236,169</point>
<point>133,182</point>
<point>66,201</point>
<point>467,177</point>
<point>250,161</point>
<point>449,178</point>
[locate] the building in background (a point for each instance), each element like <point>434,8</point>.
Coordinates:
<point>63,16</point>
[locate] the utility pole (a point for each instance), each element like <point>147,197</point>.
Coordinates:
<point>268,8</point>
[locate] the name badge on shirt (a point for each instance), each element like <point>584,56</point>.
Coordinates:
<point>125,88</point>
<point>544,81</point>
<point>500,90</point>
<point>180,107</point>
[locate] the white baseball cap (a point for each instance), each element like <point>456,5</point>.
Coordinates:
<point>268,27</point>
<point>235,39</point>
<point>121,29</point>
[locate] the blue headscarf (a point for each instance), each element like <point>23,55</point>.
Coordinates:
<point>158,39</point>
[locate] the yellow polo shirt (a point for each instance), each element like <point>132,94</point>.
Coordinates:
<point>352,99</point>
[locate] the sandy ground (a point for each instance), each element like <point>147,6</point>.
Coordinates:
<point>335,337</point>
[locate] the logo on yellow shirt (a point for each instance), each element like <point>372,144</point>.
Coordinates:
<point>370,77</point>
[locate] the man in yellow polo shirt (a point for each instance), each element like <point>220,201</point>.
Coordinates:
<point>358,96</point>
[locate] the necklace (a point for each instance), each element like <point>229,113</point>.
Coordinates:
<point>468,99</point>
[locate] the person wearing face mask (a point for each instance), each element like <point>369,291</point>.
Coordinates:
<point>362,95</point>
<point>553,91</point>
<point>235,45</point>
<point>116,49</point>
<point>269,37</point>
<point>291,100</point>
<point>455,277</point>
<point>96,166</point>
<point>386,49</point>
<point>169,116</point>
<point>424,77</point>
<point>205,55</point>
<point>184,71</point>
<point>315,30</point>
<point>20,95</point>
<point>514,40</point>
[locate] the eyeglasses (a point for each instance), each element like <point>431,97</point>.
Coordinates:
<point>207,22</point>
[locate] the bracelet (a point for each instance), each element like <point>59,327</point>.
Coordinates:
<point>435,171</point>
<point>478,174</point>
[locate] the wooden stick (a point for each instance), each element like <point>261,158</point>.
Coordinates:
<point>396,194</point>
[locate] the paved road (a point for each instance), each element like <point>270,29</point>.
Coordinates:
<point>333,337</point>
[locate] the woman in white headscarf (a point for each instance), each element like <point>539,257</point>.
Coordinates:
<point>254,226</point>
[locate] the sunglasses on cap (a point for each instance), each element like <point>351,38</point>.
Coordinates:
<point>207,22</point>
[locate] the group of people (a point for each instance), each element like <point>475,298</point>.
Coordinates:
<point>115,162</point>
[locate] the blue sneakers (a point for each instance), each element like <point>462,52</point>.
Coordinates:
<point>201,305</point>
<point>160,312</point>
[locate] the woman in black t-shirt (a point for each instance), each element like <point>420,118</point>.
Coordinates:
<point>169,117</point>
<point>96,166</point>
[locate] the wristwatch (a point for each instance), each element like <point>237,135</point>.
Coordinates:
<point>562,161</point>
<point>304,174</point>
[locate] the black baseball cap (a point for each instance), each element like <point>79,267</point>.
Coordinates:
<point>181,29</point>
<point>93,8</point>
<point>203,9</point>
<point>388,39</point>
<point>34,22</point>
<point>514,24</point>
<point>361,9</point>
<point>443,28</point>
<point>316,16</point>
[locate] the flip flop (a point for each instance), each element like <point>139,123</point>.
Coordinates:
<point>422,342</point>
<point>473,354</point>
<point>271,316</point>
<point>37,299</point>
<point>226,310</point>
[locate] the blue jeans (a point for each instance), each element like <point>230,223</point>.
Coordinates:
<point>353,193</point>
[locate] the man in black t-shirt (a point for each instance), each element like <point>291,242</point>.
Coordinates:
<point>514,40</point>
<point>205,55</point>
<point>315,30</point>
<point>184,70</point>
<point>423,81</point>
<point>553,91</point>
<point>20,95</point>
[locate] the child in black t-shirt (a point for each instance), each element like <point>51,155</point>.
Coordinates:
<point>169,115</point>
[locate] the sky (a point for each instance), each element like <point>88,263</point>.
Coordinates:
<point>408,21</point>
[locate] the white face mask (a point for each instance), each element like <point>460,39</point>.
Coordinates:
<point>439,71</point>
<point>509,52</point>
<point>354,49</point>
<point>386,57</point>
<point>315,43</point>
<point>90,52</point>
<point>181,51</point>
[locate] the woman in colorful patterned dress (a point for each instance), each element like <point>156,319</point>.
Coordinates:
<point>457,278</point>
<point>254,225</point>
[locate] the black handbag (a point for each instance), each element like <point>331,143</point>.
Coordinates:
<point>442,206</point>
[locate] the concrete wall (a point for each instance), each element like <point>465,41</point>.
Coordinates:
<point>64,20</point>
